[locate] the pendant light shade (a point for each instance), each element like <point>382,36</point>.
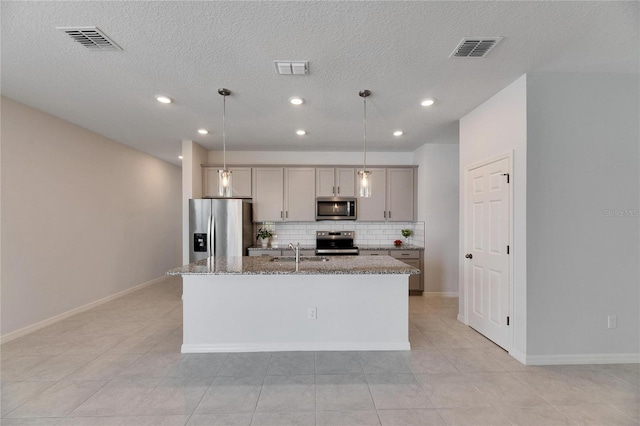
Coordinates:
<point>364,184</point>
<point>364,176</point>
<point>224,183</point>
<point>224,175</point>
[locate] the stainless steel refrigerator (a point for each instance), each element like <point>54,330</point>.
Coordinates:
<point>219,227</point>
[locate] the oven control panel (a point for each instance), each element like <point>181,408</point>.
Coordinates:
<point>334,235</point>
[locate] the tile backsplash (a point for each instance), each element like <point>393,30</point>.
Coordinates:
<point>366,232</point>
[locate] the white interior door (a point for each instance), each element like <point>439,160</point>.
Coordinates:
<point>487,260</point>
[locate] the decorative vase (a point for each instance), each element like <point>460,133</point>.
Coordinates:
<point>264,242</point>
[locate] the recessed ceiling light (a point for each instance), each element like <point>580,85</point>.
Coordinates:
<point>203,131</point>
<point>397,133</point>
<point>296,100</point>
<point>300,132</point>
<point>427,102</point>
<point>163,99</point>
<point>180,157</point>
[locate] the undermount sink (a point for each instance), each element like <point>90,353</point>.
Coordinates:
<point>302,259</point>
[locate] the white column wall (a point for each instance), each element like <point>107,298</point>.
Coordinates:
<point>497,127</point>
<point>193,156</point>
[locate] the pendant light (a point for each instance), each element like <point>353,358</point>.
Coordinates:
<point>364,176</point>
<point>224,175</point>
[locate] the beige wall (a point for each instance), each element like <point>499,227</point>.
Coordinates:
<point>583,217</point>
<point>83,217</point>
<point>438,209</point>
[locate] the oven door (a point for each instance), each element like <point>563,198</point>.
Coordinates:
<point>353,251</point>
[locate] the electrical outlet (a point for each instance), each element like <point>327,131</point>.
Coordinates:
<point>312,313</point>
<point>612,321</point>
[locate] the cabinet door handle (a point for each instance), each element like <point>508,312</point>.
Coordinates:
<point>374,254</point>
<point>404,254</point>
<point>385,214</point>
<point>389,214</point>
<point>281,215</point>
<point>338,190</point>
<point>334,190</point>
<point>287,214</point>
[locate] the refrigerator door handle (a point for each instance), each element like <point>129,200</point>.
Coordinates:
<point>209,235</point>
<point>213,235</point>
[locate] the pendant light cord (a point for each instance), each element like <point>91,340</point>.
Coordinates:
<point>364,167</point>
<point>224,136</point>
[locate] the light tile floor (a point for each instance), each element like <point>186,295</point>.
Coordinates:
<point>120,364</point>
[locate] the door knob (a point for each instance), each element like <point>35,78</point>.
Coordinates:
<point>468,256</point>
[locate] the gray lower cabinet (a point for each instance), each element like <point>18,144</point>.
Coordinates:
<point>410,257</point>
<point>415,281</point>
<point>374,253</point>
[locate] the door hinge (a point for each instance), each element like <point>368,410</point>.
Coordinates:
<point>507,320</point>
<point>507,175</point>
<point>507,249</point>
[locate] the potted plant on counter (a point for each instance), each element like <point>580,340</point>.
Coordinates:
<point>264,235</point>
<point>406,233</point>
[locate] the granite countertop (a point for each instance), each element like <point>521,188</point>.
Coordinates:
<point>360,246</point>
<point>283,246</point>
<point>263,265</point>
<point>389,247</point>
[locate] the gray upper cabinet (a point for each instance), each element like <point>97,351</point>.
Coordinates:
<point>300,195</point>
<point>284,194</point>
<point>268,194</point>
<point>374,208</point>
<point>400,195</point>
<point>325,182</point>
<point>335,182</point>
<point>240,181</point>
<point>392,196</point>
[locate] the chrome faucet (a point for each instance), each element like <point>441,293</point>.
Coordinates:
<point>296,250</point>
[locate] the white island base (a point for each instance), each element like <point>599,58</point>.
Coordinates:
<point>256,313</point>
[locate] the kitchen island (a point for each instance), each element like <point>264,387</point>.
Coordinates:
<point>254,304</point>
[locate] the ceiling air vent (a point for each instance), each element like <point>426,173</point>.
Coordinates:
<point>292,67</point>
<point>475,47</point>
<point>90,37</point>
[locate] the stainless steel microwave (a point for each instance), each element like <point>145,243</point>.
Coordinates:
<point>336,208</point>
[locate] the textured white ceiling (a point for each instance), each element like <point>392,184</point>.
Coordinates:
<point>398,50</point>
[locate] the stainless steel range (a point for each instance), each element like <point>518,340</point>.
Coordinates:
<point>335,243</point>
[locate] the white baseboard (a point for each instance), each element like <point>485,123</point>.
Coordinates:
<point>625,358</point>
<point>440,294</point>
<point>297,346</point>
<point>44,323</point>
<point>519,356</point>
